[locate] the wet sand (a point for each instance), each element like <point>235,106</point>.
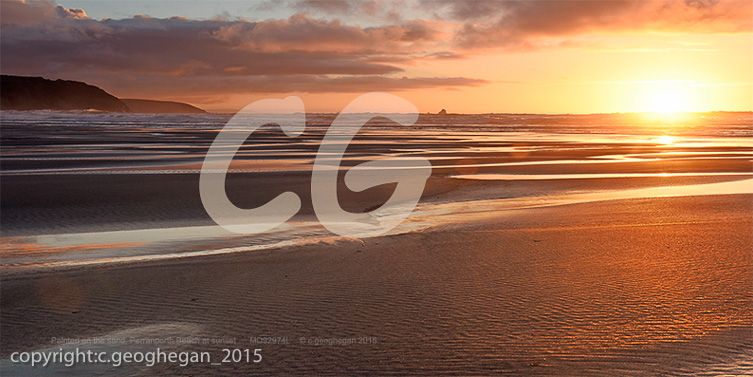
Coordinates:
<point>530,253</point>
<point>633,287</point>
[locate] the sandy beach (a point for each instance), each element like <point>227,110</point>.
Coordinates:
<point>376,188</point>
<point>530,253</point>
<point>619,287</point>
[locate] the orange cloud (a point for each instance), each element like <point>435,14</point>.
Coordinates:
<point>524,24</point>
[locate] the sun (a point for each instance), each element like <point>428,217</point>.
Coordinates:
<point>666,99</point>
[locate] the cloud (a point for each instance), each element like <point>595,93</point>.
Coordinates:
<point>168,57</point>
<point>528,24</point>
<point>328,6</point>
<point>15,12</point>
<point>43,20</point>
<point>40,37</point>
<point>309,54</point>
<point>72,13</point>
<point>209,85</point>
<point>303,33</point>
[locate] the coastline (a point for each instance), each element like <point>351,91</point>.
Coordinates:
<point>532,251</point>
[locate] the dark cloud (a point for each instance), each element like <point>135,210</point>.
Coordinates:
<point>177,51</point>
<point>527,24</point>
<point>445,55</point>
<point>303,33</point>
<point>209,85</point>
<point>164,57</point>
<point>465,10</point>
<point>327,6</point>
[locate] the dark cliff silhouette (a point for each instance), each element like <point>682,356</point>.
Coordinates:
<point>151,106</point>
<point>37,93</point>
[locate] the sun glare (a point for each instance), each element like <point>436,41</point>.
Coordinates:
<point>665,140</point>
<point>666,100</point>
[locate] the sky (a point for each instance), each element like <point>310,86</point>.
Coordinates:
<point>528,56</point>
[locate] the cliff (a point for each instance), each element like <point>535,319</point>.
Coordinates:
<point>36,93</point>
<point>150,106</point>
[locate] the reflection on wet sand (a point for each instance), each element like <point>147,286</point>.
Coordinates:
<point>544,177</point>
<point>502,153</point>
<point>152,244</point>
<point>572,245</point>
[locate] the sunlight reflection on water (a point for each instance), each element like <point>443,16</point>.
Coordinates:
<point>154,244</point>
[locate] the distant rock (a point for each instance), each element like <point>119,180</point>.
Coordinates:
<point>443,112</point>
<point>37,93</point>
<point>151,106</point>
